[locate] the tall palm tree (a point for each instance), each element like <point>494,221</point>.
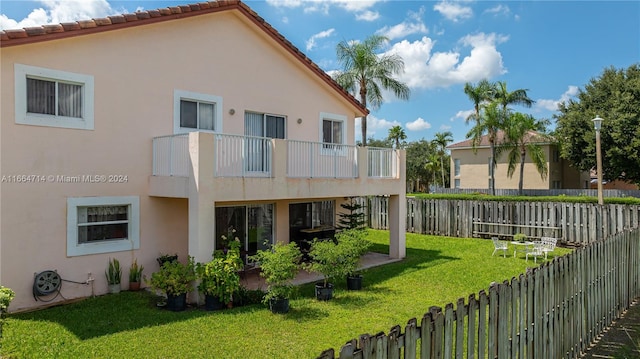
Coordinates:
<point>397,134</point>
<point>441,141</point>
<point>523,135</point>
<point>367,73</point>
<point>515,97</point>
<point>481,93</point>
<point>492,119</point>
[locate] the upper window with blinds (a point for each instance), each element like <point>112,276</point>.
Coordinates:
<point>46,97</point>
<point>197,112</point>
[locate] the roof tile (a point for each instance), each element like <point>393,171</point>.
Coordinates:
<point>102,21</point>
<point>35,31</point>
<point>130,17</point>
<point>117,19</point>
<point>16,34</point>
<point>54,28</point>
<point>142,15</point>
<point>154,13</point>
<point>87,24</point>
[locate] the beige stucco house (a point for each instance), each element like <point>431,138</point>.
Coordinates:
<point>161,131</point>
<point>470,168</point>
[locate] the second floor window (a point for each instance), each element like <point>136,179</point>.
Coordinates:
<point>197,115</point>
<point>332,131</point>
<point>456,167</point>
<point>50,97</point>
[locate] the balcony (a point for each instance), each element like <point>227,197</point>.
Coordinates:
<point>251,168</point>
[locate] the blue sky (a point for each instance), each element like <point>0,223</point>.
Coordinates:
<point>551,48</point>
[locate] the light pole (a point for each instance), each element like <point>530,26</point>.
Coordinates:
<point>597,122</point>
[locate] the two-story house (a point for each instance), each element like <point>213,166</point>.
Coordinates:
<point>159,132</point>
<point>470,167</point>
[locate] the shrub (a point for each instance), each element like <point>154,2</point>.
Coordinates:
<point>174,277</point>
<point>279,265</point>
<point>6,296</point>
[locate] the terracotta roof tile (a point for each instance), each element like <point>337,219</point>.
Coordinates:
<point>16,37</point>
<point>484,140</point>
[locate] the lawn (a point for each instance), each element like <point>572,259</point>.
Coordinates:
<point>437,270</point>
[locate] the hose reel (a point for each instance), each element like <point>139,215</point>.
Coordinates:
<point>47,283</point>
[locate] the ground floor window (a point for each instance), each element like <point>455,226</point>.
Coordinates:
<point>252,225</point>
<point>102,224</point>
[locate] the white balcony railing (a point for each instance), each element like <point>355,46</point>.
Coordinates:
<point>242,156</point>
<point>382,162</point>
<point>171,155</point>
<point>321,160</point>
<point>246,156</point>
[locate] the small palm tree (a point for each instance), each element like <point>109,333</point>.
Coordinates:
<point>366,73</point>
<point>492,119</point>
<point>515,97</point>
<point>441,141</point>
<point>397,134</point>
<point>479,94</point>
<point>523,135</point>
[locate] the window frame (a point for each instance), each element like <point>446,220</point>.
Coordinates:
<point>179,95</point>
<point>75,248</point>
<point>22,117</point>
<point>331,148</point>
<point>456,167</point>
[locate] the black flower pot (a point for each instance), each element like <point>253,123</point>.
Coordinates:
<point>324,293</point>
<point>354,282</point>
<point>279,305</point>
<point>213,303</point>
<point>177,303</point>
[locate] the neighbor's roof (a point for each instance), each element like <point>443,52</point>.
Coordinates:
<point>532,136</point>
<point>36,34</point>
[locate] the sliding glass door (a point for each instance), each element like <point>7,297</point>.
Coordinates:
<point>252,225</point>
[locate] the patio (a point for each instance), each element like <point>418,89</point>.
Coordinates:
<point>251,278</point>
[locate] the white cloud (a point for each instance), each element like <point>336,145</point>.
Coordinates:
<point>453,12</point>
<point>375,126</point>
<point>368,15</point>
<point>361,8</point>
<point>58,11</point>
<point>552,105</point>
<point>418,125</point>
<point>499,10</point>
<point>412,25</point>
<point>444,127</point>
<point>311,43</point>
<point>462,115</point>
<point>424,69</point>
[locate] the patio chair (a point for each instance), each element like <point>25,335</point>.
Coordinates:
<point>499,245</point>
<point>536,250</point>
<point>549,244</point>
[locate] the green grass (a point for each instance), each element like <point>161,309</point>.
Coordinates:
<point>437,270</point>
<point>559,198</point>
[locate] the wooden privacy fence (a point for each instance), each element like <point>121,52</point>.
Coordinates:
<point>578,223</point>
<point>553,311</point>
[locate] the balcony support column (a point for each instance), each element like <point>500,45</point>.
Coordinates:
<point>201,197</point>
<point>397,226</point>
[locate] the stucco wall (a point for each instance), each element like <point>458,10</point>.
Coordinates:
<point>136,72</point>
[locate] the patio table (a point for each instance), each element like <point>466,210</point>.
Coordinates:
<point>520,247</point>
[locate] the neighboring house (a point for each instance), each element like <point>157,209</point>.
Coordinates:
<point>471,168</point>
<point>161,131</point>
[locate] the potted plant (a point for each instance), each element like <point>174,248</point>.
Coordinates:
<point>164,258</point>
<point>6,296</point>
<point>135,275</point>
<point>279,265</point>
<point>114,275</point>
<point>332,261</point>
<point>355,245</point>
<point>219,278</point>
<point>174,279</point>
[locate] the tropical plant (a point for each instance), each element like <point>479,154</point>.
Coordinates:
<point>505,97</point>
<point>418,171</point>
<point>174,278</point>
<point>219,277</point>
<point>6,296</point>
<point>135,271</point>
<point>397,134</point>
<point>353,217</point>
<point>354,244</point>
<point>330,259</point>
<point>278,266</point>
<point>612,95</point>
<point>163,258</point>
<point>523,135</point>
<point>479,94</point>
<point>113,272</point>
<point>441,141</point>
<point>366,73</point>
<point>492,119</point>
